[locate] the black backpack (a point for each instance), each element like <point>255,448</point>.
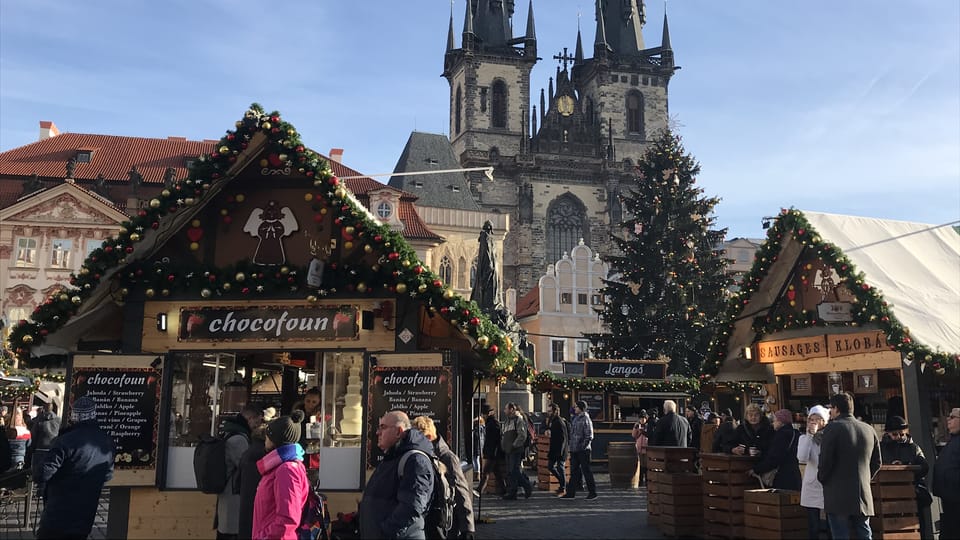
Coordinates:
<point>210,463</point>
<point>439,517</point>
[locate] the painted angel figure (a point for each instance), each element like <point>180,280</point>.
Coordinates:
<point>270,225</point>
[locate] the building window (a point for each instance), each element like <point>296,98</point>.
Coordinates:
<point>744,255</point>
<point>14,316</point>
<point>635,113</point>
<point>83,156</point>
<point>458,109</point>
<point>583,350</point>
<point>91,246</point>
<point>582,299</point>
<point>446,270</point>
<point>596,300</point>
<point>384,210</point>
<point>26,252</point>
<point>461,273</point>
<point>60,253</point>
<point>566,225</point>
<point>557,346</point>
<point>498,105</point>
<point>483,100</point>
<point>590,112</point>
<point>188,162</point>
<point>566,298</point>
<point>473,273</point>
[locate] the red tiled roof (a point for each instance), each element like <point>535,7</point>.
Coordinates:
<point>529,304</point>
<point>112,157</point>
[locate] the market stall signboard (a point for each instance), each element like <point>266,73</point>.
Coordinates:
<point>791,349</point>
<point>416,390</point>
<point>625,369</point>
<point>126,390</point>
<point>863,342</point>
<point>268,323</point>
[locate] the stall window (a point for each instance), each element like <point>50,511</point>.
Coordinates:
<point>337,434</point>
<point>206,388</point>
<point>583,350</point>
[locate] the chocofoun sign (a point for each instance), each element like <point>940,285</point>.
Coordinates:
<point>625,369</point>
<point>268,323</point>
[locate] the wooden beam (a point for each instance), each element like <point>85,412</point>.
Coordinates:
<point>876,360</point>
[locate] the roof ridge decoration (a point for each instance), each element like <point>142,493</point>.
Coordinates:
<point>398,267</point>
<point>871,306</point>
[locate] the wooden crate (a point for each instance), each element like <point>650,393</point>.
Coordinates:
<point>725,479</point>
<point>679,503</point>
<point>773,513</point>
<point>545,480</point>
<point>895,503</point>
<point>671,459</point>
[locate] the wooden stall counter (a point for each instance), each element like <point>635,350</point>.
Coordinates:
<point>773,514</point>
<point>725,478</point>
<point>895,503</point>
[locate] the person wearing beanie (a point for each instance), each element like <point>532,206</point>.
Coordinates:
<point>283,486</point>
<point>782,456</point>
<point>74,470</point>
<point>808,453</point>
<point>581,437</point>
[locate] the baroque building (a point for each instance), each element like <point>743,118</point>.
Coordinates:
<point>560,156</point>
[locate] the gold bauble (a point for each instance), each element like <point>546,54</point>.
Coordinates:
<point>135,237</point>
<point>367,249</point>
<point>150,293</point>
<point>224,149</point>
<point>189,201</point>
<point>264,162</point>
<point>165,292</point>
<point>422,288</point>
<point>84,271</point>
<point>154,203</point>
<point>63,297</point>
<point>348,245</point>
<point>28,339</point>
<point>124,291</point>
<point>308,197</point>
<point>349,229</point>
<point>401,288</point>
<point>483,341</point>
<point>240,197</point>
<point>361,287</point>
<point>226,286</point>
<point>206,293</point>
<point>240,277</point>
<point>165,193</point>
<point>340,193</point>
<point>194,246</point>
<point>311,299</point>
<point>195,223</point>
<point>76,300</point>
<point>448,294</point>
<point>284,270</point>
<point>405,263</point>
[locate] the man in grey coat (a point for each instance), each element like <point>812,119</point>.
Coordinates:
<point>849,459</point>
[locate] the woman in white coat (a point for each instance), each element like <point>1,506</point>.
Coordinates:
<point>808,452</point>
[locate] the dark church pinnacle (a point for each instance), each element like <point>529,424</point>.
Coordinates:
<point>665,42</point>
<point>531,30</point>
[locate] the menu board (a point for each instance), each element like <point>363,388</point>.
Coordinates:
<point>415,390</point>
<point>127,397</point>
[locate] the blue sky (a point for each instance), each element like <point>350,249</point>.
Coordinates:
<point>849,107</point>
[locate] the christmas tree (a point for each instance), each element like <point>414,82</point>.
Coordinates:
<point>668,283</point>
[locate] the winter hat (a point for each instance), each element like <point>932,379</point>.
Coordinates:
<point>820,411</point>
<point>582,405</point>
<point>728,413</point>
<point>784,416</point>
<point>84,408</point>
<point>286,429</point>
<point>643,414</point>
<point>896,423</point>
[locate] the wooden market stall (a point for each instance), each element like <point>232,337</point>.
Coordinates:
<point>258,277</point>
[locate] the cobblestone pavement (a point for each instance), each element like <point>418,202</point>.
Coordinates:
<point>617,513</point>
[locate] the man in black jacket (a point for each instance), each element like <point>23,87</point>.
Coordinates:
<point>672,429</point>
<point>559,431</point>
<point>492,455</point>
<point>696,425</point>
<point>946,479</point>
<point>78,464</point>
<point>726,438</point>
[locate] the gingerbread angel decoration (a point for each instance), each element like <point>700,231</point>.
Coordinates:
<point>270,225</point>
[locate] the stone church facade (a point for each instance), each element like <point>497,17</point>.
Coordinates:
<point>559,156</point>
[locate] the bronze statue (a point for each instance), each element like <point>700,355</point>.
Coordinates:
<point>71,165</point>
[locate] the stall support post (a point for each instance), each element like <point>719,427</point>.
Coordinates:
<point>917,399</point>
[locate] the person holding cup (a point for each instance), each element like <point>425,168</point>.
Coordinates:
<point>755,432</point>
<point>782,454</point>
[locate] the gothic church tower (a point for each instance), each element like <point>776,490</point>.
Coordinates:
<point>558,162</point>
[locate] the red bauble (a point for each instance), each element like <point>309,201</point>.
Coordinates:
<point>444,309</point>
<point>129,249</point>
<point>437,283</point>
<point>318,218</point>
<point>334,181</point>
<point>494,349</point>
<point>227,219</point>
<point>378,238</point>
<point>155,225</point>
<point>393,256</point>
<point>466,313</point>
<point>475,321</point>
<point>171,277</point>
<point>245,290</point>
<point>230,137</point>
<point>418,270</point>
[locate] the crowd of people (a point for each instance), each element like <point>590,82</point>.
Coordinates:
<point>840,454</point>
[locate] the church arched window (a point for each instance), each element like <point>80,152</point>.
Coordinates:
<point>446,269</point>
<point>458,108</point>
<point>590,112</point>
<point>635,113</point>
<point>566,225</point>
<point>473,273</point>
<point>498,105</point>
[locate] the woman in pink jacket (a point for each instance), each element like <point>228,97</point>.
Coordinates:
<point>283,486</point>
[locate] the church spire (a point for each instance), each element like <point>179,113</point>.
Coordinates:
<point>469,38</point>
<point>451,44</point>
<point>530,39</point>
<point>600,45</point>
<point>665,42</point>
<point>578,53</point>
